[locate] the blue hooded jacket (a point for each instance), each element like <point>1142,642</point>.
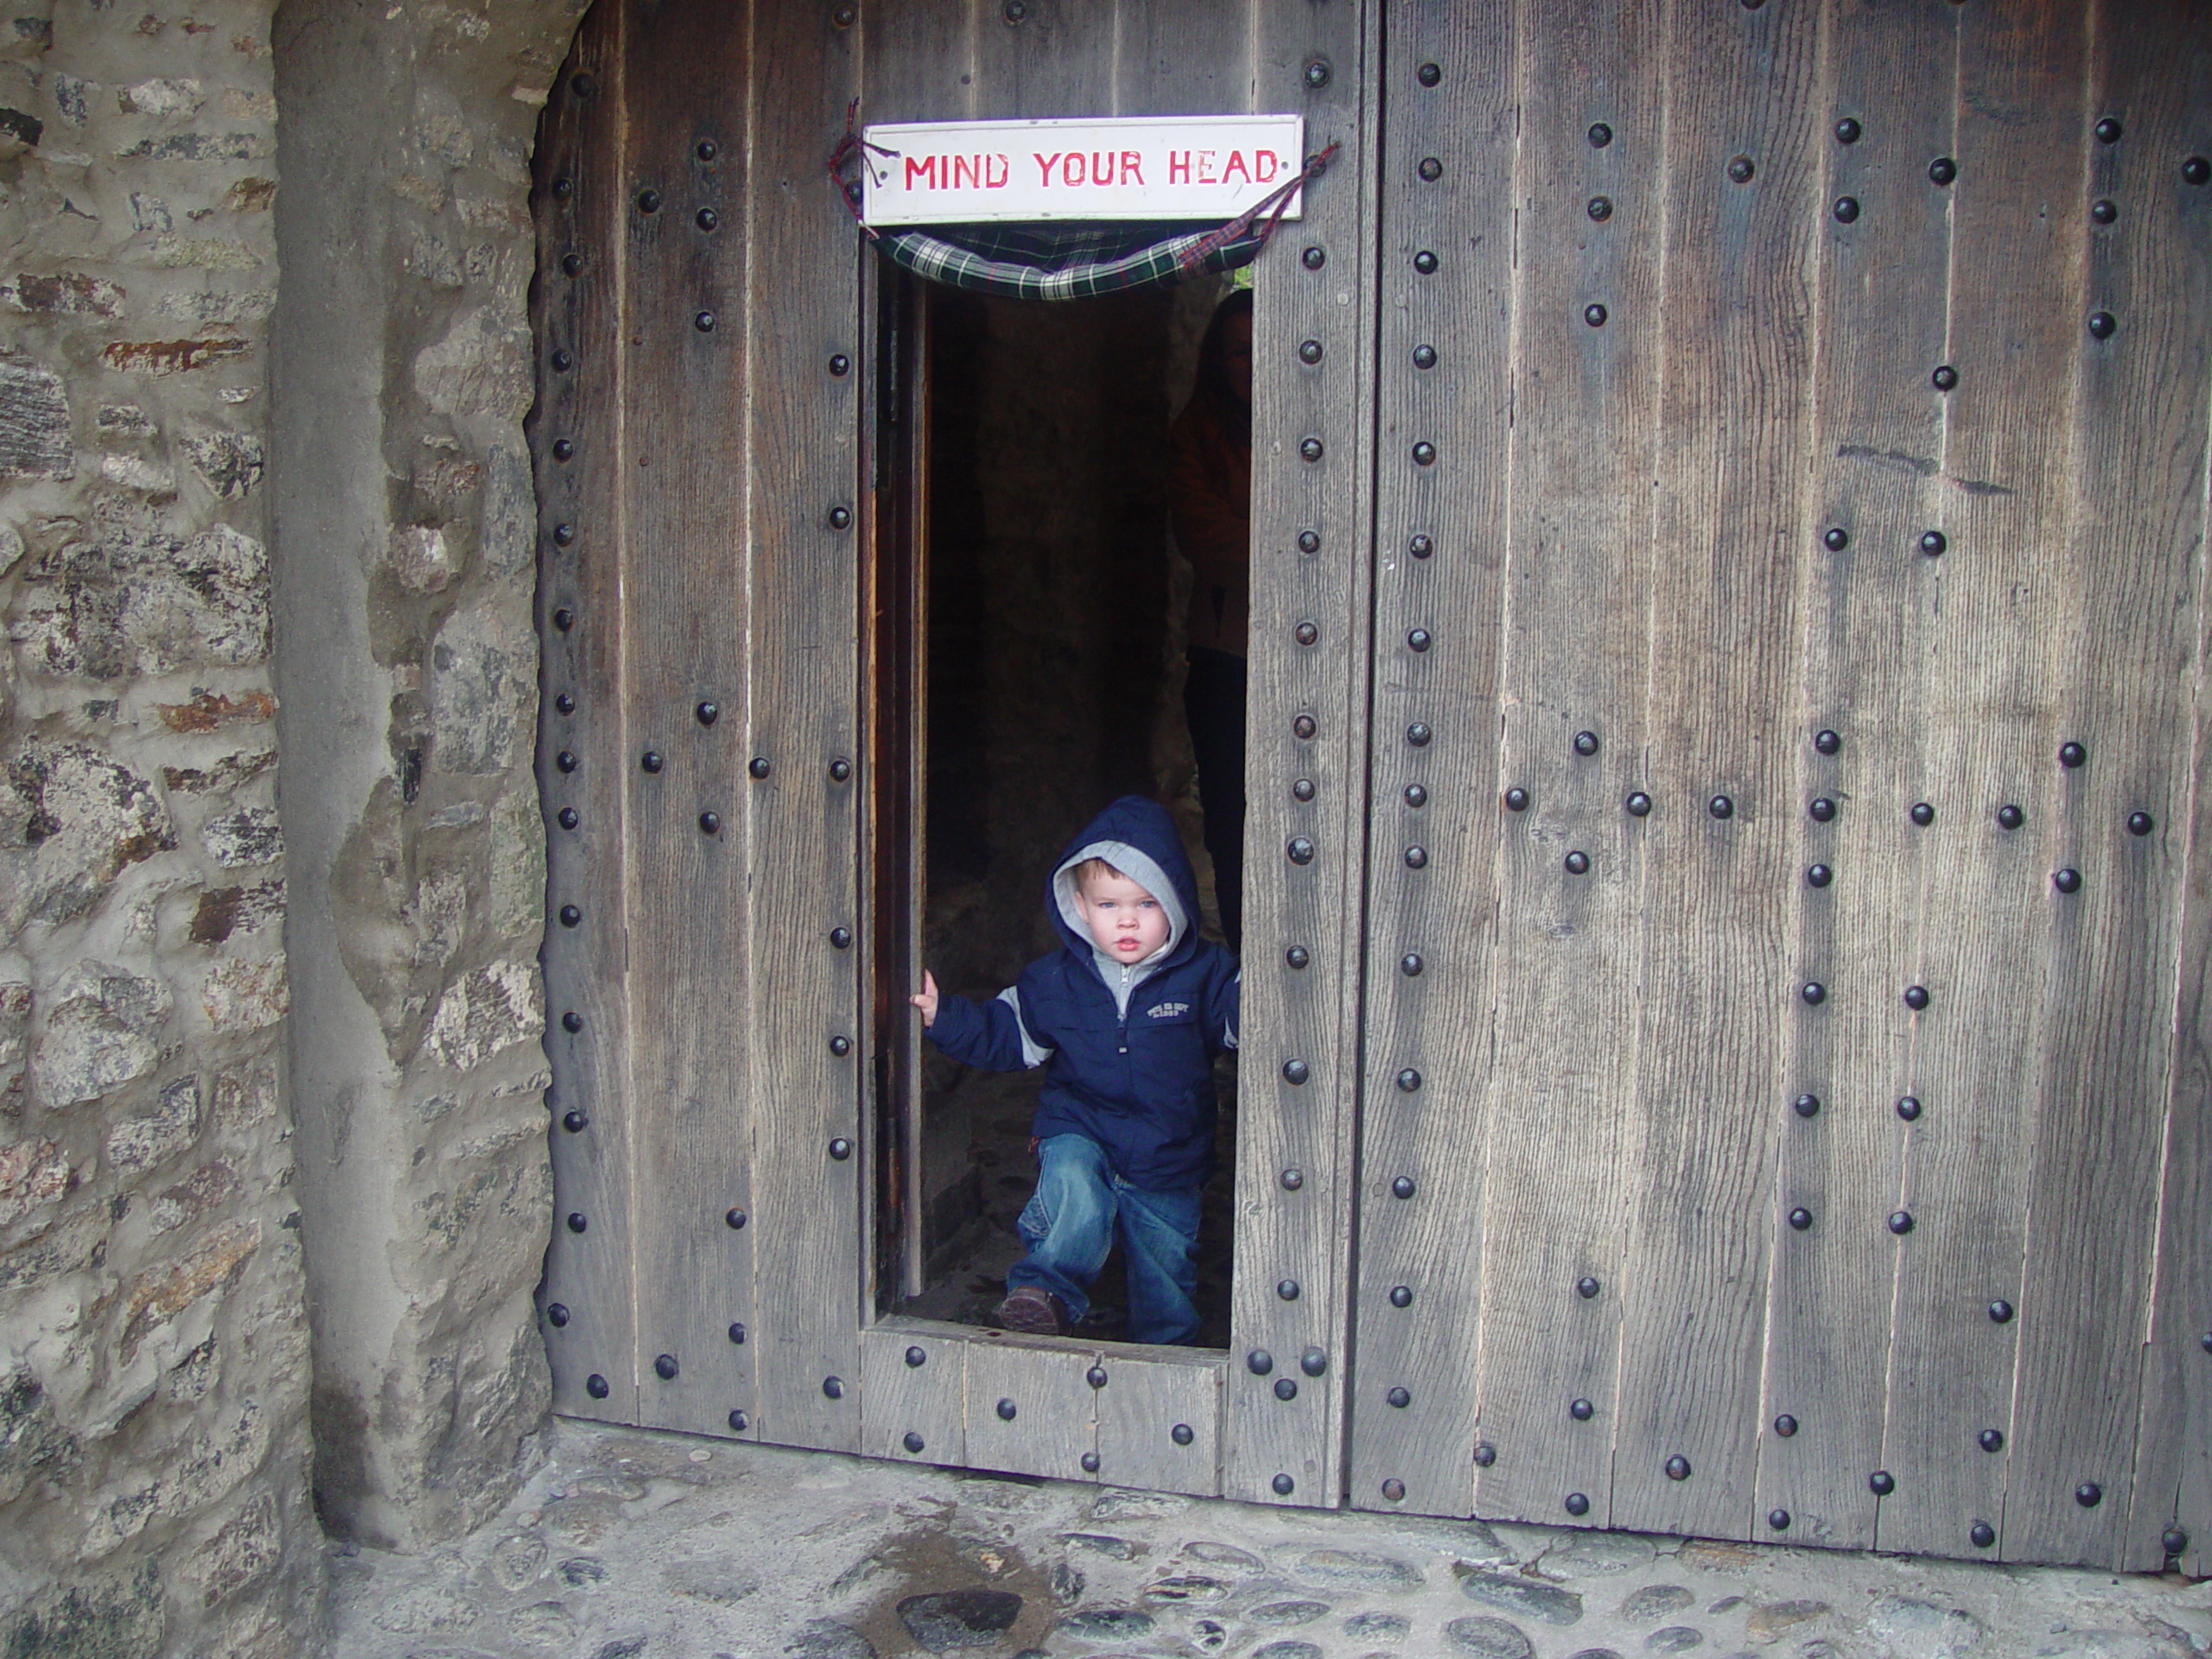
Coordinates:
<point>1129,1048</point>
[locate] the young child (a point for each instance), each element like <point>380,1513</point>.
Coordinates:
<point>1127,1017</point>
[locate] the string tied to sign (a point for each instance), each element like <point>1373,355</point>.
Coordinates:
<point>852,144</point>
<point>1274,204</point>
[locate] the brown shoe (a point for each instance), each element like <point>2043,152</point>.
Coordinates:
<point>1034,1311</point>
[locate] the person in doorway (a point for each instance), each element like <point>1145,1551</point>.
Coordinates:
<point>1127,1017</point>
<point>1210,495</point>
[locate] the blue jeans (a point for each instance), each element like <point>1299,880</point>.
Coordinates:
<point>1069,1225</point>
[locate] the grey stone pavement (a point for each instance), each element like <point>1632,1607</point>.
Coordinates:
<point>634,1545</point>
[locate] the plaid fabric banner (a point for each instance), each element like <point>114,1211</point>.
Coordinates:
<point>1064,261</point>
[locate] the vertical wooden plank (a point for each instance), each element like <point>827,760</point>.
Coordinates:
<point>586,1301</point>
<point>919,60</point>
<point>2013,338</point>
<point>2172,1500</point>
<point>1055,59</point>
<point>1193,58</point>
<point>1159,1420</point>
<point>1576,509</point>
<point>2122,675</point>
<point>1305,721</point>
<point>680,466</point>
<point>1716,976</point>
<point>903,1402</point>
<point>1030,1409</point>
<point>811,1148</point>
<point>1880,273</point>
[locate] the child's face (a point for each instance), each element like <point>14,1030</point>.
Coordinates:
<point>1126,922</point>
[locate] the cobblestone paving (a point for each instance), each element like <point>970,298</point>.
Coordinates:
<point>629,1545</point>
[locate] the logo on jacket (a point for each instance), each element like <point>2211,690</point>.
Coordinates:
<point>1168,1010</point>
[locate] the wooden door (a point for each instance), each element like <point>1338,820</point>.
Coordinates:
<point>1790,502</point>
<point>702,737</point>
<point>731,900</point>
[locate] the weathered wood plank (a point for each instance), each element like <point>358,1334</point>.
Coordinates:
<point>2121,677</point>
<point>1877,426</point>
<point>918,61</point>
<point>1030,1409</point>
<point>1058,60</point>
<point>681,467</point>
<point>1724,637</point>
<point>812,1151</point>
<point>1189,59</point>
<point>586,1301</point>
<point>1305,721</point>
<point>1990,742</point>
<point>1575,622</point>
<point>902,1401</point>
<point>1426,1252</point>
<point>1159,1419</point>
<point>2173,1459</point>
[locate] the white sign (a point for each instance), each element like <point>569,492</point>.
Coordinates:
<point>1208,168</point>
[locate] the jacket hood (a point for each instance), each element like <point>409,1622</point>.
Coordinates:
<point>1137,837</point>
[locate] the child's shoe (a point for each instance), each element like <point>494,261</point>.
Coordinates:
<point>1033,1311</point>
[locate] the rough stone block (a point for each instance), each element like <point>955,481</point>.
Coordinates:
<point>162,357</point>
<point>231,461</point>
<point>103,1030</point>
<point>162,1293</point>
<point>67,293</point>
<point>139,1143</point>
<point>242,1554</point>
<point>34,425</point>
<point>211,711</point>
<point>98,1620</point>
<point>206,1189</point>
<point>34,1175</point>
<point>250,835</point>
<point>34,1446</point>
<point>480,366</point>
<point>245,995</point>
<point>15,1047</point>
<point>225,910</point>
<point>486,1011</point>
<point>70,820</point>
<point>139,600</point>
<point>483,679</point>
<point>422,558</point>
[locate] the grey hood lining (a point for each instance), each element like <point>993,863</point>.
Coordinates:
<point>1143,869</point>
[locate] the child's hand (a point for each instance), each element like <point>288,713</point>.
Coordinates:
<point>925,1000</point>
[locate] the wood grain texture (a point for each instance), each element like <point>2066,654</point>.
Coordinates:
<point>1308,1014</point>
<point>1150,1394</point>
<point>587,1274</point>
<point>802,823</point>
<point>1877,428</point>
<point>2173,1459</point>
<point>899,1398</point>
<point>1718,982</point>
<point>1435,1024</point>
<point>686,624</point>
<point>1576,616</point>
<point>1990,742</point>
<point>1030,1410</point>
<point>2121,679</point>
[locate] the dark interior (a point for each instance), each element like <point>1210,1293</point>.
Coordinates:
<point>1054,683</point>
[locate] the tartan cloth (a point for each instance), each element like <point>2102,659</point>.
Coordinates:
<point>1063,262</point>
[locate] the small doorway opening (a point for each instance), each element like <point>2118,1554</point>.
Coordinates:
<point>1047,642</point>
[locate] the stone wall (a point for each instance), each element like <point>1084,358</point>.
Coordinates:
<point>408,672</point>
<point>227,516</point>
<point>153,1364</point>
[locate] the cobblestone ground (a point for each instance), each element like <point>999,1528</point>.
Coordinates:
<point>629,1545</point>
